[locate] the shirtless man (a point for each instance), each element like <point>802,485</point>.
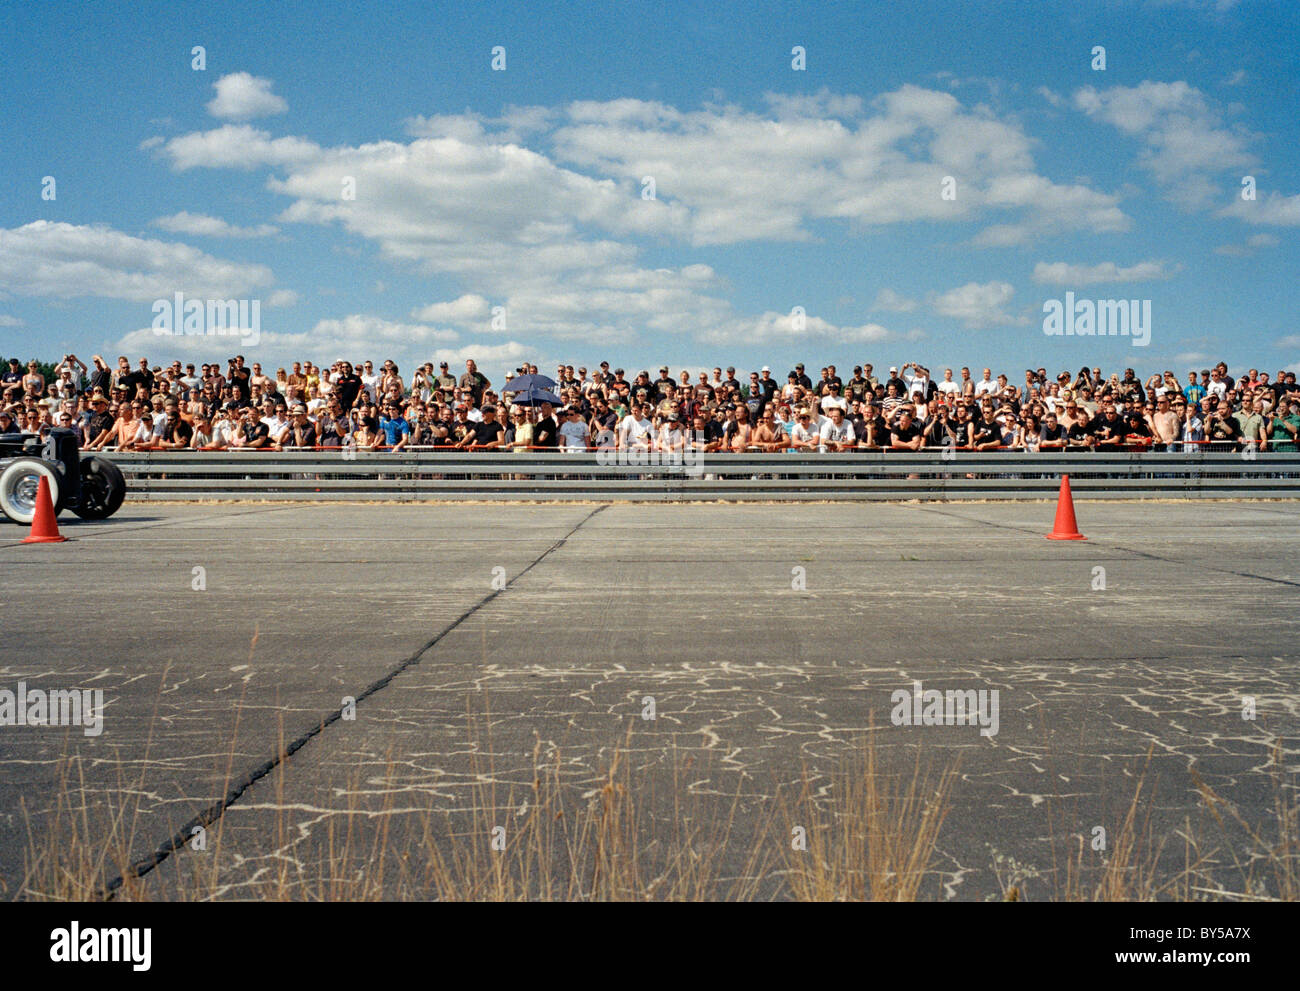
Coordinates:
<point>767,435</point>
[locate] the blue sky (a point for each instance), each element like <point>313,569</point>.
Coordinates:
<point>775,188</point>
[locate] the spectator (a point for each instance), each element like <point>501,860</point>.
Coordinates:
<point>836,433</point>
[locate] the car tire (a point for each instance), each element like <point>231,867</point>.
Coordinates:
<point>102,489</point>
<point>19,480</point>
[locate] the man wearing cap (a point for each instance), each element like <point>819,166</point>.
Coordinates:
<point>445,381</point>
<point>661,384</point>
<point>488,433</point>
<point>856,390</point>
<point>642,389</point>
<point>301,432</point>
<point>800,377</point>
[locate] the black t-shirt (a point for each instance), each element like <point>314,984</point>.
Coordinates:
<point>546,432</point>
<point>937,432</point>
<point>1139,428</point>
<point>101,379</point>
<point>255,430</point>
<point>906,434</point>
<point>1052,433</point>
<point>858,387</point>
<point>879,431</point>
<point>1079,433</point>
<point>240,380</point>
<point>177,429</point>
<point>130,382</point>
<point>488,433</point>
<point>983,431</point>
<point>1224,429</point>
<point>304,436</point>
<point>346,387</point>
<point>98,423</point>
<point>1109,431</point>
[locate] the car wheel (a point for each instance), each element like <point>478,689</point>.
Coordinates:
<point>19,480</point>
<point>102,489</point>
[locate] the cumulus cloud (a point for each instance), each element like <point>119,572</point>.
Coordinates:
<point>553,236</point>
<point>243,96</point>
<point>783,328</point>
<point>205,226</point>
<point>977,304</point>
<point>467,309</point>
<point>234,146</point>
<point>1186,143</point>
<point>1065,274</point>
<point>1273,209</point>
<point>1256,242</point>
<point>8,321</point>
<point>66,261</point>
<point>893,302</point>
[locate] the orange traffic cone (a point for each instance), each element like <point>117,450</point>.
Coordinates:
<point>45,528</point>
<point>1066,528</point>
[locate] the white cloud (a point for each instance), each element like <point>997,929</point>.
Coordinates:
<point>64,260</point>
<point>1290,341</point>
<point>467,309</point>
<point>243,96</point>
<point>893,302</point>
<point>977,304</point>
<point>282,298</point>
<point>1255,242</point>
<point>1186,144</point>
<point>1236,79</point>
<point>234,146</point>
<point>1273,209</point>
<point>781,328</point>
<point>1065,274</point>
<point>550,236</point>
<point>203,225</point>
<point>8,321</point>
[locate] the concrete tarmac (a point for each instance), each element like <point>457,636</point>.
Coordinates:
<point>771,638</point>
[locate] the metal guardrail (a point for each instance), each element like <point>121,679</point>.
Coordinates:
<point>429,476</point>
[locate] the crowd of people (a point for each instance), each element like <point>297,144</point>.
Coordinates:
<point>180,407</point>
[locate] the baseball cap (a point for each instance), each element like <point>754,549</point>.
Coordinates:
<point>892,369</point>
<point>765,369</point>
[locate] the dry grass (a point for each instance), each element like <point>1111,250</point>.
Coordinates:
<point>870,835</point>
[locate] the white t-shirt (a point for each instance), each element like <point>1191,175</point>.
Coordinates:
<point>803,434</point>
<point>635,433</point>
<point>985,385</point>
<point>573,434</point>
<point>371,382</point>
<point>917,383</point>
<point>830,402</point>
<point>842,433</point>
<point>950,388</point>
